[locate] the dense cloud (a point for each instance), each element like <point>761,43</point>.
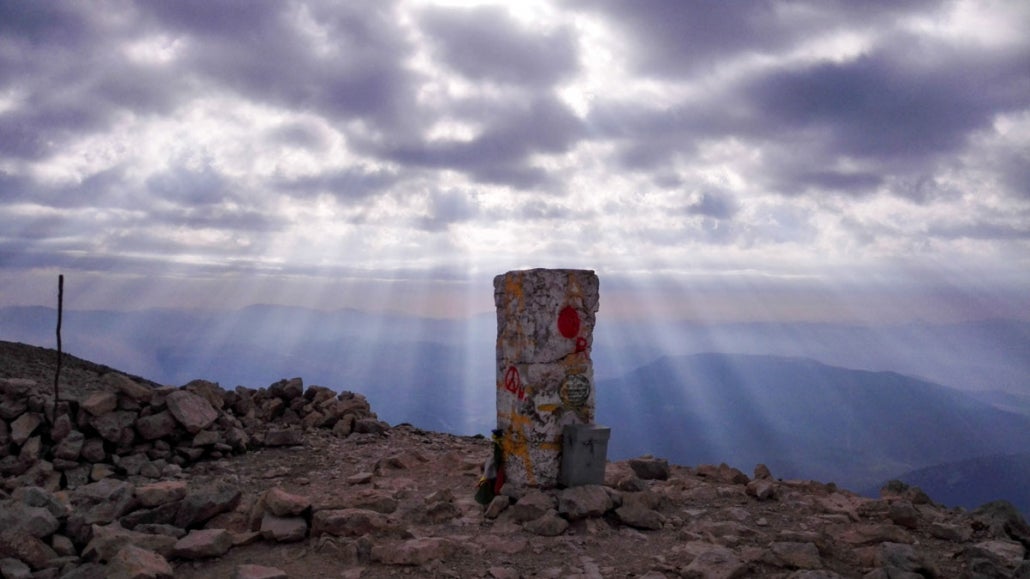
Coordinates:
<point>414,136</point>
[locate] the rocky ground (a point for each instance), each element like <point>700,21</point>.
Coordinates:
<point>307,492</point>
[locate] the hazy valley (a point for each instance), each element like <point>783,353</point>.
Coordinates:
<point>828,402</point>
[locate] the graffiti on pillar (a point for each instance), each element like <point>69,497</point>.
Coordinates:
<point>513,382</point>
<point>568,322</point>
<point>544,378</point>
<point>516,445</point>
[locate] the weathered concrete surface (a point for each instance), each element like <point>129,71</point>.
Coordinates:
<point>545,377</point>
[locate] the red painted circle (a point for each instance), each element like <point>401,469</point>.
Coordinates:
<point>568,322</point>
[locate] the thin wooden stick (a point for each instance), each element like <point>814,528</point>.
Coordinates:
<point>60,312</point>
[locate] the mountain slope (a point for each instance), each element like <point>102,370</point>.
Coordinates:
<point>802,418</point>
<point>971,483</point>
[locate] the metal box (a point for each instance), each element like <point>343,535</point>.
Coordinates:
<point>584,454</point>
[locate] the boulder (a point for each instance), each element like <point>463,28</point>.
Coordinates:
<point>156,426</point>
<point>283,529</point>
<point>99,402</point>
<point>497,506</point>
<point>12,568</point>
<point>650,468</point>
<point>109,539</point>
<point>159,493</point>
<point>722,473</point>
<point>110,425</point>
<point>204,502</point>
<point>716,562</point>
<point>23,546</point>
<point>548,525</point>
<point>132,562</point>
<point>284,437</point>
<point>531,506</point>
<point>639,516</point>
<point>584,501</point>
<point>23,427</point>
<point>103,501</point>
<point>203,544</point>
<point>36,521</point>
<point>283,504</point>
<point>193,412</point>
<point>209,391</point>
<point>34,496</point>
<point>128,387</point>
<point>70,446</point>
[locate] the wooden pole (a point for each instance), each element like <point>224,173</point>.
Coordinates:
<point>60,312</point>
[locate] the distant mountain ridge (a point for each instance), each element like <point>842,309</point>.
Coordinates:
<point>766,400</point>
<point>802,418</point>
<point>973,482</point>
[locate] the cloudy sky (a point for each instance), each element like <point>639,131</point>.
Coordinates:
<point>724,160</point>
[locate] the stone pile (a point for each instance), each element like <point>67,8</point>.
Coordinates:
<point>358,500</point>
<point>120,427</point>
<point>81,483</point>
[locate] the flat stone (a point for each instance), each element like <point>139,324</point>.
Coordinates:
<point>207,438</point>
<point>100,402</point>
<point>108,539</point>
<point>413,552</point>
<point>872,533</point>
<point>283,529</point>
<point>128,387</point>
<point>203,543</point>
<point>258,572</point>
<point>497,506</point>
<point>639,517</point>
<point>949,532</point>
<point>361,478</point>
<point>23,427</point>
<point>547,525</point>
<point>138,563</point>
<point>370,426</point>
<point>284,437</point>
<point>193,412</point>
<point>348,522</point>
<point>1011,552</point>
<point>283,504</point>
<point>716,562</point>
<point>159,493</point>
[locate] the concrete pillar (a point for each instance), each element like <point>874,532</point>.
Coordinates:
<point>545,377</point>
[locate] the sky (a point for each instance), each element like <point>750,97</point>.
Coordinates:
<point>723,161</point>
